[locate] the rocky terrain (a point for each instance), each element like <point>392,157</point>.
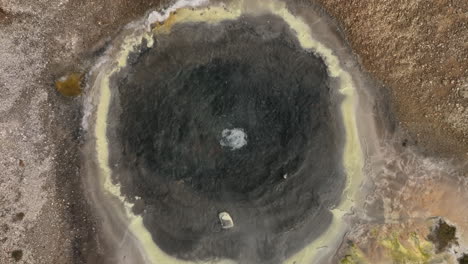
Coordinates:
<point>419,50</point>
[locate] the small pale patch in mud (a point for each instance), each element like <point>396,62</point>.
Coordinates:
<point>233,138</point>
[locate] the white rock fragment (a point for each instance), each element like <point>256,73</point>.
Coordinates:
<point>156,16</point>
<point>226,220</point>
<point>233,138</point>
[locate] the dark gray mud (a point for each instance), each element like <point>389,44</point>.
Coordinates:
<point>166,128</point>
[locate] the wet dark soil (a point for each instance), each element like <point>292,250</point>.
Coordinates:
<point>443,235</point>
<point>169,110</point>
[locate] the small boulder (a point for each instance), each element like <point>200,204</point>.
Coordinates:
<point>226,220</point>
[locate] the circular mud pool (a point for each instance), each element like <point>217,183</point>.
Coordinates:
<point>235,117</point>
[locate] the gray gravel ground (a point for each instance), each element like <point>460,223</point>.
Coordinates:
<point>43,215</point>
<point>33,227</point>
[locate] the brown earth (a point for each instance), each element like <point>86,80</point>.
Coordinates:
<point>419,50</point>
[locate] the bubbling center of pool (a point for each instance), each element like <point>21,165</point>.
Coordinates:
<point>234,138</point>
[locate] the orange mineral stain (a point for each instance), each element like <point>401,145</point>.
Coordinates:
<point>69,85</point>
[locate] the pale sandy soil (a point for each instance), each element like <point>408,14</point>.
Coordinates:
<point>43,215</point>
